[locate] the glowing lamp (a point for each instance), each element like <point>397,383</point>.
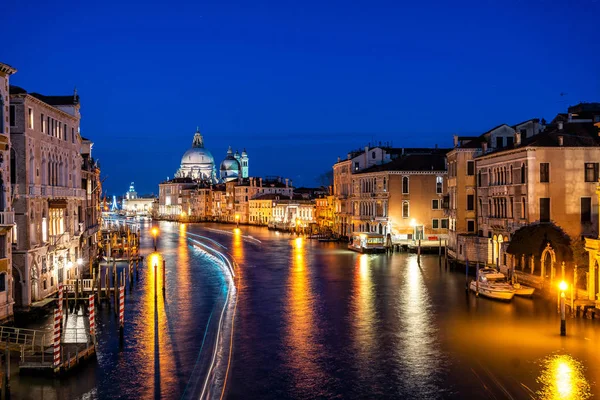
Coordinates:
<point>563,286</point>
<point>155,231</point>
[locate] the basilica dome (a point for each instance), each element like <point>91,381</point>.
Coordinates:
<point>197,156</point>
<point>197,162</point>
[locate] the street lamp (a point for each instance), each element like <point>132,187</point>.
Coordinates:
<point>154,235</point>
<point>563,323</point>
<point>237,219</point>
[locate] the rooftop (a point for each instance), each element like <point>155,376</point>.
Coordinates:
<point>413,162</point>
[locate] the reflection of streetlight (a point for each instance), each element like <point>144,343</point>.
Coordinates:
<point>563,323</point>
<point>237,219</point>
<point>154,235</point>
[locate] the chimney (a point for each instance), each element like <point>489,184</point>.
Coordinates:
<point>560,125</point>
<point>286,182</point>
<point>260,182</point>
<point>560,140</point>
<point>455,140</point>
<point>484,147</point>
<point>517,138</point>
<point>339,159</point>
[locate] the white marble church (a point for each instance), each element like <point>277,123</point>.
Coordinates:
<point>198,163</point>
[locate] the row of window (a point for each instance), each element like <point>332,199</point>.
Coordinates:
<point>439,223</point>
<point>505,175</point>
<point>48,124</point>
<point>439,185</point>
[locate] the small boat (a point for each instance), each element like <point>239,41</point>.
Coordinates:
<point>492,284</point>
<point>367,242</point>
<point>522,290</point>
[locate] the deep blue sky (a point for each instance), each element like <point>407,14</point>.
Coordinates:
<point>297,83</point>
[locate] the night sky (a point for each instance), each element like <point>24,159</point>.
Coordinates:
<point>297,83</point>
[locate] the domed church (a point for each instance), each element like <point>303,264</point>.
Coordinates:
<point>234,166</point>
<point>198,163</point>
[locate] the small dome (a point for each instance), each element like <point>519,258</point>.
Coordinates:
<point>230,164</point>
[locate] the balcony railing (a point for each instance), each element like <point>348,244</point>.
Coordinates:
<point>7,218</point>
<point>55,191</point>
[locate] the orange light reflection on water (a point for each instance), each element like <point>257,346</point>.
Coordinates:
<point>562,378</point>
<point>363,308</point>
<point>301,329</point>
<point>156,345</point>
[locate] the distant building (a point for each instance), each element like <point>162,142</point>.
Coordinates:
<point>132,204</point>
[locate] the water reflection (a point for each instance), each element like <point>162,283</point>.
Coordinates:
<point>562,378</point>
<point>363,307</point>
<point>418,349</point>
<point>301,329</point>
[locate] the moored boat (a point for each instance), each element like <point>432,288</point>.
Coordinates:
<point>492,284</point>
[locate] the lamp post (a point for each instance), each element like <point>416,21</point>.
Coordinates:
<point>154,236</point>
<point>237,220</point>
<point>563,323</point>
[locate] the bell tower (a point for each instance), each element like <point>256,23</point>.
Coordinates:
<point>244,163</point>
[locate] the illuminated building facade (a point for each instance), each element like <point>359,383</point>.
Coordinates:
<point>7,215</point>
<point>402,198</point>
<point>50,203</point>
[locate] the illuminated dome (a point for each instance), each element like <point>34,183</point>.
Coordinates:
<point>197,162</point>
<point>230,167</point>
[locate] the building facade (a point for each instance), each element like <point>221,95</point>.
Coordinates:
<point>49,199</point>
<point>548,177</point>
<point>7,216</point>
<point>402,198</point>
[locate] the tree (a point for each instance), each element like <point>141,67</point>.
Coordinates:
<point>580,254</point>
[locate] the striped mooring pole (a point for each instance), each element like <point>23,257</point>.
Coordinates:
<point>61,294</point>
<point>121,311</point>
<point>57,321</point>
<point>92,312</point>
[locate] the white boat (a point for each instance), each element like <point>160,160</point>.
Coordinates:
<point>522,290</point>
<point>492,284</point>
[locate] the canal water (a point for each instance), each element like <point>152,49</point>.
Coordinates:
<point>314,320</point>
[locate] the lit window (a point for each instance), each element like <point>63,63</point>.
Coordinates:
<point>44,230</point>
<point>405,209</point>
<point>439,185</point>
<point>30,115</point>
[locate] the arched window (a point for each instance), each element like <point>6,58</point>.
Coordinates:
<point>479,178</point>
<point>523,173</point>
<point>405,185</point>
<point>511,177</point>
<point>405,209</point>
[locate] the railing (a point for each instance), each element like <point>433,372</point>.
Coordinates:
<point>23,339</point>
<point>87,285</point>
<point>56,240</point>
<point>56,191</point>
<point>7,218</point>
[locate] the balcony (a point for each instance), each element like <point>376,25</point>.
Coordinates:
<point>7,218</point>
